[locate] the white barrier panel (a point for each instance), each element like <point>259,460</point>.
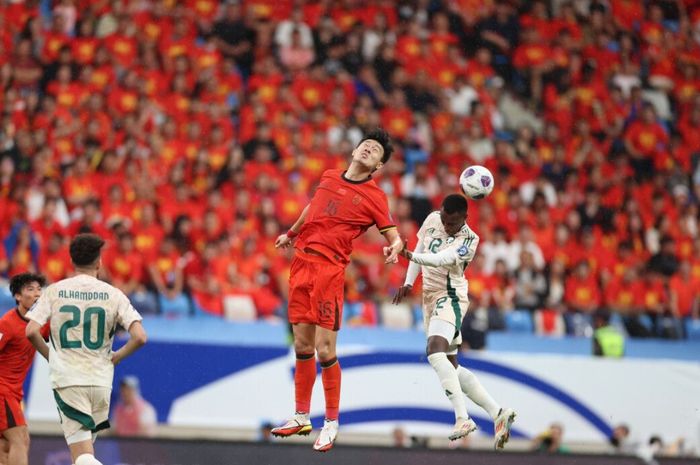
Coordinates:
<point>381,390</point>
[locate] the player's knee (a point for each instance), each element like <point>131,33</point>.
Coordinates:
<point>303,347</point>
<point>326,351</point>
<point>435,345</point>
<point>19,438</point>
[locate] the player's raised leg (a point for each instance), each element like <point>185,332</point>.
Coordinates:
<point>440,332</point>
<point>304,378</point>
<point>503,418</point>
<point>330,375</point>
<point>18,445</point>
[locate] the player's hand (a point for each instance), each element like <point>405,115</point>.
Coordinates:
<point>283,241</point>
<point>401,293</point>
<point>116,358</point>
<point>392,252</point>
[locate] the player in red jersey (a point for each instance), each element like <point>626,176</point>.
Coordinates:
<point>16,356</point>
<point>345,205</point>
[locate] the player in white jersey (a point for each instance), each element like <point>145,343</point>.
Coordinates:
<point>445,247</point>
<point>84,313</point>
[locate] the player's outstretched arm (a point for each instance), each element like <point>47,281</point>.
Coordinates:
<point>285,240</point>
<point>137,339</point>
<point>396,245</point>
<point>446,257</point>
<point>33,333</point>
<point>411,274</point>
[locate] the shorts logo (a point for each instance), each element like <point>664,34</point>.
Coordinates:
<point>356,200</point>
<point>462,251</point>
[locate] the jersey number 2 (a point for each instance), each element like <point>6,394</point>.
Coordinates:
<point>90,312</point>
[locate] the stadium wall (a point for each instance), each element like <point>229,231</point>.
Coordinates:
<point>213,385</point>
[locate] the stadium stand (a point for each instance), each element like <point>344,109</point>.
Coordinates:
<point>190,134</point>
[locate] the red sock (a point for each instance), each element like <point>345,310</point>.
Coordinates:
<point>304,378</point>
<point>330,375</point>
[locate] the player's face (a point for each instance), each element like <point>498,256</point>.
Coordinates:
<point>28,295</point>
<point>452,222</point>
<point>369,153</point>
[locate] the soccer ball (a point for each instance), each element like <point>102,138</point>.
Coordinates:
<point>476,182</point>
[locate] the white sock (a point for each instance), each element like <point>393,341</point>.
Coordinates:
<point>87,459</point>
<point>475,391</point>
<point>450,383</point>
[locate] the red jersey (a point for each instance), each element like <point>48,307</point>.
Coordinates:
<point>340,211</point>
<point>16,353</point>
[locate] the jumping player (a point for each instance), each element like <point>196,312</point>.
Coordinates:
<point>345,204</point>
<point>16,357</point>
<point>445,247</point>
<point>84,313</point>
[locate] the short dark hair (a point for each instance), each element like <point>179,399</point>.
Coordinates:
<point>381,136</point>
<point>85,249</point>
<point>18,281</point>
<point>454,203</point>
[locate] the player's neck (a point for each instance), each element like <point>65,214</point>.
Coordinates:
<point>357,172</point>
<point>86,271</point>
<point>22,311</point>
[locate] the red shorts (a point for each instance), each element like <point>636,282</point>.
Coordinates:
<point>11,414</point>
<point>316,291</point>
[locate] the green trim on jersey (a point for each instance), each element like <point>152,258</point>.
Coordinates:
<point>452,293</point>
<point>73,413</point>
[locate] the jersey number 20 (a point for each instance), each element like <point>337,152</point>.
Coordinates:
<point>90,312</point>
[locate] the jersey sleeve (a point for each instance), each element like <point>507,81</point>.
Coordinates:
<point>379,210</point>
<point>126,313</point>
<point>5,333</point>
<point>41,310</point>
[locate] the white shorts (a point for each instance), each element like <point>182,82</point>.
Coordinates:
<point>83,410</point>
<point>443,312</point>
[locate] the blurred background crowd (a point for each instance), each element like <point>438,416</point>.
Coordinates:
<point>192,133</point>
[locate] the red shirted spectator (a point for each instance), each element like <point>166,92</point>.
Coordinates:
<point>206,286</point>
<point>122,44</point>
<point>84,47</point>
<point>54,260</point>
<point>124,265</point>
<point>653,298</point>
<point>684,292</point>
<point>582,293</point>
<point>165,269</point>
<point>621,293</point>
<point>645,136</point>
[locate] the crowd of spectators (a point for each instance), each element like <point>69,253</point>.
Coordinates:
<point>190,134</point>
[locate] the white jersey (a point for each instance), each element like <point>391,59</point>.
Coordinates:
<point>84,314</point>
<point>462,246</point>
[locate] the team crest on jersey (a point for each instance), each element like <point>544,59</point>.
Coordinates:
<point>462,251</point>
<point>450,240</point>
<point>356,200</point>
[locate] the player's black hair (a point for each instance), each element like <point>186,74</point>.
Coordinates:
<point>18,281</point>
<point>381,136</point>
<point>85,249</point>
<point>454,203</point>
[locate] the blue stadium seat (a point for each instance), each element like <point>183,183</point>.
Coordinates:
<point>178,306</point>
<point>692,329</point>
<point>144,302</point>
<point>519,321</point>
<point>578,324</point>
